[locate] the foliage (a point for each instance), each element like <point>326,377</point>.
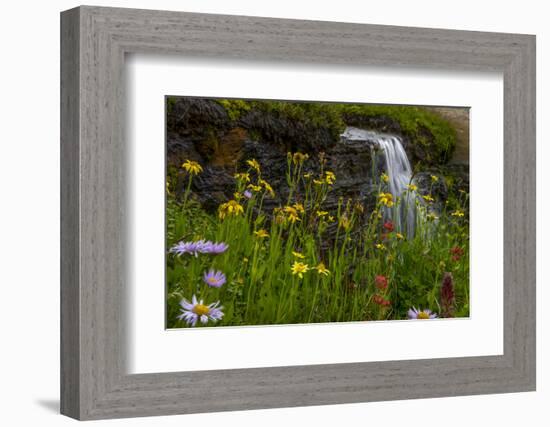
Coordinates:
<point>235,108</point>
<point>305,263</point>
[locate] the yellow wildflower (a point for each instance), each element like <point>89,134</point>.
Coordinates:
<point>380,246</point>
<point>193,168</point>
<point>253,163</point>
<point>321,269</point>
<point>267,187</point>
<point>299,158</point>
<point>299,207</point>
<point>298,255</point>
<point>431,216</point>
<point>232,207</point>
<point>307,175</point>
<point>255,188</point>
<point>321,213</point>
<point>318,181</point>
<point>299,268</point>
<point>330,218</point>
<point>344,222</point>
<point>428,198</point>
<point>242,176</point>
<point>434,178</point>
<point>386,199</point>
<point>399,236</point>
<point>412,187</point>
<point>458,213</point>
<point>384,177</point>
<point>292,214</point>
<point>330,178</point>
<point>279,215</point>
<point>262,234</point>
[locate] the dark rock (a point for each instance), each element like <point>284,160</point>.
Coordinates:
<point>286,133</point>
<point>201,130</point>
<point>196,117</point>
<point>380,123</point>
<point>437,189</point>
<point>458,176</point>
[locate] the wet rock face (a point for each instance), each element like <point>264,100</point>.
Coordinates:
<point>287,134</point>
<point>458,175</point>
<point>215,185</point>
<point>196,118</point>
<point>201,130</point>
<point>437,190</point>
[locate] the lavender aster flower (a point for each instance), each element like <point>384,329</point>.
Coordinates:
<point>192,248</point>
<point>195,310</point>
<point>214,278</point>
<point>214,248</point>
<point>199,247</point>
<point>247,194</point>
<point>413,313</point>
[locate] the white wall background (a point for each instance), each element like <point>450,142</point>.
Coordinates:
<point>29,211</point>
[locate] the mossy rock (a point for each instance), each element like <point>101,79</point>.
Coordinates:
<point>430,140</point>
<point>221,134</point>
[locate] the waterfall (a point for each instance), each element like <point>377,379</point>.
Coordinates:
<point>399,171</point>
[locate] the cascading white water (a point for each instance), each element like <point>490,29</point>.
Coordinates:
<point>399,172</point>
<point>398,169</point>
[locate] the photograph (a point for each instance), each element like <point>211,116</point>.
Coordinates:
<point>291,212</point>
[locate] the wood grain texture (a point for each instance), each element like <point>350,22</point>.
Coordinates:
<point>94,382</point>
<point>70,292</point>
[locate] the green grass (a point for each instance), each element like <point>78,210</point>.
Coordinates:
<point>351,243</point>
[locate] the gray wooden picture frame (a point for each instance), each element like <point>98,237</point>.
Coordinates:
<point>94,381</point>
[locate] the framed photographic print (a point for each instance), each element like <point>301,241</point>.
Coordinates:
<point>286,213</point>
<point>306,212</point>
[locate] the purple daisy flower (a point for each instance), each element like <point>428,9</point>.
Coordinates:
<point>199,247</point>
<point>195,310</point>
<point>214,248</point>
<point>192,248</point>
<point>214,278</point>
<point>413,313</point>
<point>247,194</point>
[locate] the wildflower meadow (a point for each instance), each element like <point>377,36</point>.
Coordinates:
<point>303,260</point>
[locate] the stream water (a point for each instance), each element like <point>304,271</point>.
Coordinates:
<point>398,168</point>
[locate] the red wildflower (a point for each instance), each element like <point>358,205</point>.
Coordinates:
<point>380,300</point>
<point>456,253</point>
<point>457,250</point>
<point>388,225</point>
<point>381,282</point>
<point>447,297</point>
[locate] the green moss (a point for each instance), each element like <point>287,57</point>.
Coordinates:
<point>170,102</point>
<point>421,126</point>
<point>416,122</point>
<point>235,108</point>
